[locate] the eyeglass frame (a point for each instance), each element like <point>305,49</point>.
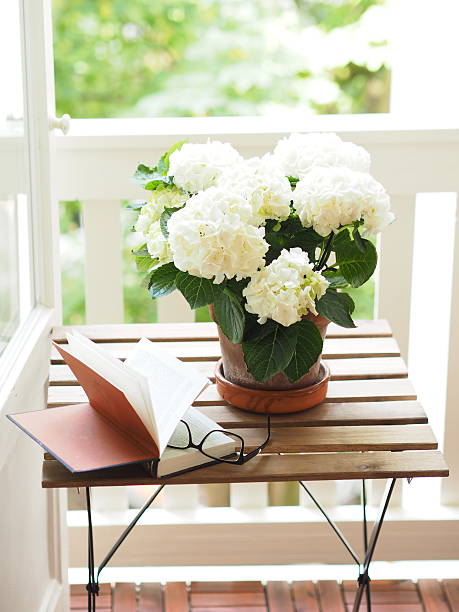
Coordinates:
<point>240,460</point>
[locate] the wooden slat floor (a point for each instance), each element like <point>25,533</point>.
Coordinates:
<point>276,596</point>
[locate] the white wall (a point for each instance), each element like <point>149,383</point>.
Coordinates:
<point>24,567</point>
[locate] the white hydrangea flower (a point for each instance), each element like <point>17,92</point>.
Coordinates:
<point>286,289</point>
<point>157,244</point>
<point>212,236</point>
<point>298,153</point>
<point>265,186</point>
<point>197,166</point>
<point>327,198</point>
<point>162,198</point>
<point>377,216</point>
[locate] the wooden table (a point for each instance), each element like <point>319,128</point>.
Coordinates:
<point>370,414</point>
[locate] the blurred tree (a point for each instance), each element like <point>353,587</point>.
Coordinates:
<point>208,57</point>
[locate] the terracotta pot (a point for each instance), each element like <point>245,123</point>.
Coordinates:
<point>235,370</point>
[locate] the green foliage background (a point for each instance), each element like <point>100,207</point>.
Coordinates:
<point>209,58</point>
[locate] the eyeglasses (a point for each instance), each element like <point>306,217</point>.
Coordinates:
<point>213,440</point>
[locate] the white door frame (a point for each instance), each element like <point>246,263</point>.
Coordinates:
<point>24,364</point>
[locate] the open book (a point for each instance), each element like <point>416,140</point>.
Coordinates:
<point>134,410</point>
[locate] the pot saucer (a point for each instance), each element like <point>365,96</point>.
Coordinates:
<point>273,401</point>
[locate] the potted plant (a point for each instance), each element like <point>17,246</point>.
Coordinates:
<point>270,244</point>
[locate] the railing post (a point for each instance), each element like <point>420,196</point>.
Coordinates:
<point>393,282</point>
<point>103,263</point>
<point>450,489</point>
<point>249,495</point>
<point>173,308</point>
<point>104,295</point>
<point>325,491</point>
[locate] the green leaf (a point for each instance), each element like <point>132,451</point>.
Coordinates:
<point>145,263</point>
<point>135,206</point>
<point>336,307</point>
<point>293,181</point>
<point>163,164</point>
<point>358,240</point>
<point>163,280</point>
<point>141,251</point>
<point>163,220</point>
<point>157,181</point>
<point>197,291</point>
<point>336,280</point>
<point>269,349</point>
<point>355,265</point>
<point>230,315</point>
<point>308,347</point>
<point>150,179</point>
<point>308,240</point>
<point>143,174</point>
<point>237,287</point>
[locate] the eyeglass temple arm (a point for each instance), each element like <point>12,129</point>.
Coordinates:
<point>261,447</point>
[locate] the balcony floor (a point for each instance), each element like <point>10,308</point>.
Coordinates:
<point>321,596</point>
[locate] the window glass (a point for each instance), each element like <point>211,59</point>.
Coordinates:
<point>217,58</point>
<point>15,252</point>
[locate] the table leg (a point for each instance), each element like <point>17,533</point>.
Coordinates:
<point>365,538</point>
<point>364,578</point>
<point>93,580</point>
<point>92,587</point>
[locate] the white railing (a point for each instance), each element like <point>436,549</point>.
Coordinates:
<point>95,162</point>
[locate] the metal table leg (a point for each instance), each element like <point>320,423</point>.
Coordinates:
<point>364,578</point>
<point>93,579</point>
<point>365,539</point>
<point>369,545</point>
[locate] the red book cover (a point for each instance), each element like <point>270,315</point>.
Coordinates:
<point>105,432</point>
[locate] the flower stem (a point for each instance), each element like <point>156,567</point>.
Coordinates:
<point>326,253</point>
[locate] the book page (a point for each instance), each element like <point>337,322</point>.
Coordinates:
<point>174,460</point>
<point>173,385</point>
<point>115,372</point>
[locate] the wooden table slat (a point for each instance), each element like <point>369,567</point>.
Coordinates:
<point>347,413</point>
<point>341,369</point>
<point>376,390</point>
<point>208,350</point>
<point>342,439</point>
<point>267,468</point>
<point>131,332</point>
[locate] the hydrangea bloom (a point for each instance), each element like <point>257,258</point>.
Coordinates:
<point>327,198</point>
<point>157,244</point>
<point>286,289</point>
<point>212,237</point>
<point>262,182</point>
<point>197,166</point>
<point>166,197</point>
<point>298,153</point>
